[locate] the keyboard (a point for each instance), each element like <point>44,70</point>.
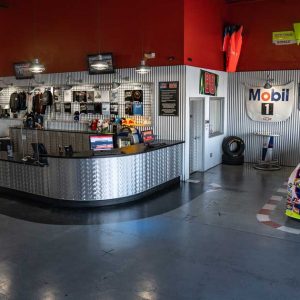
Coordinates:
<point>156,145</point>
<point>107,152</point>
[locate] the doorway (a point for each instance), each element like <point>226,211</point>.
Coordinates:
<point>197,120</point>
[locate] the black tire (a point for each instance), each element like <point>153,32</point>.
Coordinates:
<point>228,160</point>
<point>228,143</point>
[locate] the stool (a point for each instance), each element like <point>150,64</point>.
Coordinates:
<point>267,162</point>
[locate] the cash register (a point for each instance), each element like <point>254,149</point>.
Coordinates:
<point>149,139</point>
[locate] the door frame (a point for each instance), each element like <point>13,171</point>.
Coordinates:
<point>202,133</point>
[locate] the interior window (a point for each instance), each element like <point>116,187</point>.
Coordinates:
<point>216,116</point>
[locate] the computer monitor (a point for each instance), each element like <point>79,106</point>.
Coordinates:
<point>147,136</point>
<point>101,142</point>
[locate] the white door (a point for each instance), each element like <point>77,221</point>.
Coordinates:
<point>196,134</point>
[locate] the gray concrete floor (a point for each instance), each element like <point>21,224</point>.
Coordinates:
<point>196,241</point>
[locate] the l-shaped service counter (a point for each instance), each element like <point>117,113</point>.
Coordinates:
<point>87,180</point>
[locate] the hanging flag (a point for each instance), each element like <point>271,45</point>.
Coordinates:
<point>234,50</point>
<point>232,44</point>
<point>226,38</point>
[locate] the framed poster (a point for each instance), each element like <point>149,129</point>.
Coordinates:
<point>107,57</point>
<point>22,70</point>
<point>79,96</point>
<point>133,102</point>
<point>208,83</point>
<point>168,98</point>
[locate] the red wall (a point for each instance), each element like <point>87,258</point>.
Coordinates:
<point>62,32</point>
<point>203,30</point>
<point>260,19</point>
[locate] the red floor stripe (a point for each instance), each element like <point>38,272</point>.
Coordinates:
<point>265,212</point>
<point>275,202</point>
<point>271,223</point>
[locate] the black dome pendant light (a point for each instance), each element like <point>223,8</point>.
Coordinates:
<point>99,64</point>
<point>36,67</point>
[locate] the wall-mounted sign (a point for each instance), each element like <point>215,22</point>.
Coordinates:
<point>208,83</point>
<point>284,38</point>
<point>270,105</point>
<point>22,70</point>
<point>105,57</point>
<point>168,98</point>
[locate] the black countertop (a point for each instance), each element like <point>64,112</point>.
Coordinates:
<point>130,150</point>
<point>20,159</point>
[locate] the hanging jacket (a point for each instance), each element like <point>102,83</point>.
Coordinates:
<point>37,103</point>
<point>23,100</point>
<point>47,98</point>
<point>14,102</point>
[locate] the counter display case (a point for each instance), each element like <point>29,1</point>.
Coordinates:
<point>86,180</point>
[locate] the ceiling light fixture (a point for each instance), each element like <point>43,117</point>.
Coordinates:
<point>115,85</point>
<point>99,63</point>
<point>36,67</point>
<point>268,84</point>
<point>143,68</point>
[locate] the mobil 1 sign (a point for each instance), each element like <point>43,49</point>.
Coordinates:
<point>168,98</point>
<point>270,105</point>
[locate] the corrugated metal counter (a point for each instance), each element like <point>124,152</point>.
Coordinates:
<point>85,180</point>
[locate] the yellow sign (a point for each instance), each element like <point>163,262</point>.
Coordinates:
<point>297,32</point>
<point>284,38</point>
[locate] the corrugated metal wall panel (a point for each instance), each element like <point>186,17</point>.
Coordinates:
<point>288,144</point>
<point>172,128</point>
<point>166,127</point>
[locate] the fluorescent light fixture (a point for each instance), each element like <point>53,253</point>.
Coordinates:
<point>36,66</point>
<point>99,64</point>
<point>142,68</point>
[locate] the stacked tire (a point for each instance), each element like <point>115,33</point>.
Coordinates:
<point>233,148</point>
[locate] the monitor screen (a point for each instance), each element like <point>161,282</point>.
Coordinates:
<point>147,136</point>
<point>101,142</point>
